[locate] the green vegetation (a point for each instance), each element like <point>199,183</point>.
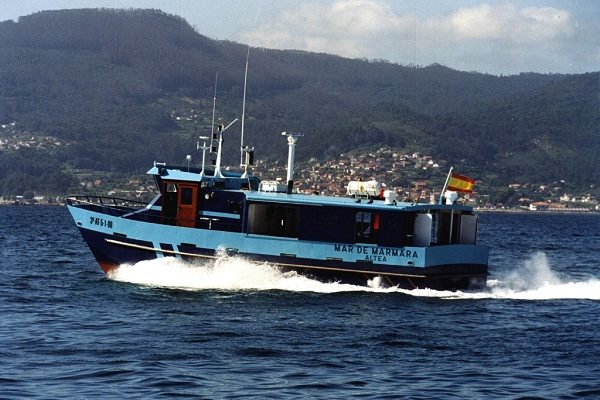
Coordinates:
<point>110,85</point>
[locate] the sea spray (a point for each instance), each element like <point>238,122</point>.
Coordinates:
<point>534,274</point>
<point>533,280</point>
<point>225,273</point>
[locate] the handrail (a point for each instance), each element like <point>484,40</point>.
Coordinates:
<point>123,208</point>
<point>103,201</point>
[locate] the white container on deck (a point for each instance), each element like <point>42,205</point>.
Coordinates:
<point>363,188</point>
<point>450,196</point>
<point>272,186</point>
<point>389,196</point>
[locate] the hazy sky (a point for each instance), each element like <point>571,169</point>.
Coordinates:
<point>499,37</point>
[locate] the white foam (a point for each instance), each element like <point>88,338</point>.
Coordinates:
<point>226,273</point>
<point>534,280</point>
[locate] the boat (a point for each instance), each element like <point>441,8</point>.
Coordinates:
<point>201,214</point>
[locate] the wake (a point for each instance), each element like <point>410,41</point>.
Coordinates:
<point>534,280</point>
<point>226,273</point>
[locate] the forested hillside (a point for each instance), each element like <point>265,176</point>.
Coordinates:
<point>108,87</point>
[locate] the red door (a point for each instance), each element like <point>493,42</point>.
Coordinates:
<point>187,205</point>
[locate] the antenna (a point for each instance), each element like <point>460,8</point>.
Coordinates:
<point>212,128</point>
<point>247,154</point>
<point>244,111</point>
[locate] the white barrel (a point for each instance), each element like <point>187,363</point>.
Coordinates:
<point>450,196</point>
<point>389,196</point>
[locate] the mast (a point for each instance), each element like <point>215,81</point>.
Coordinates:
<point>445,185</point>
<point>292,138</point>
<point>221,130</point>
<point>204,147</point>
<point>212,128</point>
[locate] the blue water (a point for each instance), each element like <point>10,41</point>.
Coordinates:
<point>234,329</point>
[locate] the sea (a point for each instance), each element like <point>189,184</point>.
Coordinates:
<point>231,329</point>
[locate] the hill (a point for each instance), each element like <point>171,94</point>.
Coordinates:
<point>117,89</point>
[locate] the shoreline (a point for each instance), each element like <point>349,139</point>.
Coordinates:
<point>476,210</point>
<point>517,211</point>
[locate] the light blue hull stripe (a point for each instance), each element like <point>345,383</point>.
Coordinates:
<point>218,214</point>
<point>159,252</point>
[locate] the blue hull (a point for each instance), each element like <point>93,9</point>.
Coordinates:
<point>331,239</point>
<point>111,251</point>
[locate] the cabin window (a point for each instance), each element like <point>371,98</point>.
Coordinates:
<point>423,229</point>
<point>445,227</point>
<point>273,220</point>
<point>468,229</point>
<point>367,227</point>
<point>326,224</point>
<point>169,204</point>
<point>396,229</point>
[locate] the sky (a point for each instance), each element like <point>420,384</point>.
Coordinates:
<point>496,37</point>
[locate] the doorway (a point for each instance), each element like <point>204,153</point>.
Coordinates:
<point>187,205</point>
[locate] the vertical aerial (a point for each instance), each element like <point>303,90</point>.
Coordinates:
<point>244,110</point>
<point>212,128</point>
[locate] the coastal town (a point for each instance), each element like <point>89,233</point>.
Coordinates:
<point>12,138</point>
<point>414,176</point>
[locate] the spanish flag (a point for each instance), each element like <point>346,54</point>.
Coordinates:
<point>461,183</point>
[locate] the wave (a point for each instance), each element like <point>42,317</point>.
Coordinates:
<point>534,280</point>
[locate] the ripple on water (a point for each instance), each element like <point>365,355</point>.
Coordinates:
<point>66,330</point>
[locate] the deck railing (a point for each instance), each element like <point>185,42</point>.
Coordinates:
<point>105,201</point>
<point>136,210</point>
<point>108,205</point>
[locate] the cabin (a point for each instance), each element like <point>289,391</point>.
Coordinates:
<point>251,207</point>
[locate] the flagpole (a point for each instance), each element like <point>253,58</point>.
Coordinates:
<point>445,185</point>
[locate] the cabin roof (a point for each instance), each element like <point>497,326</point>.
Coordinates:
<point>188,175</point>
<point>320,200</point>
